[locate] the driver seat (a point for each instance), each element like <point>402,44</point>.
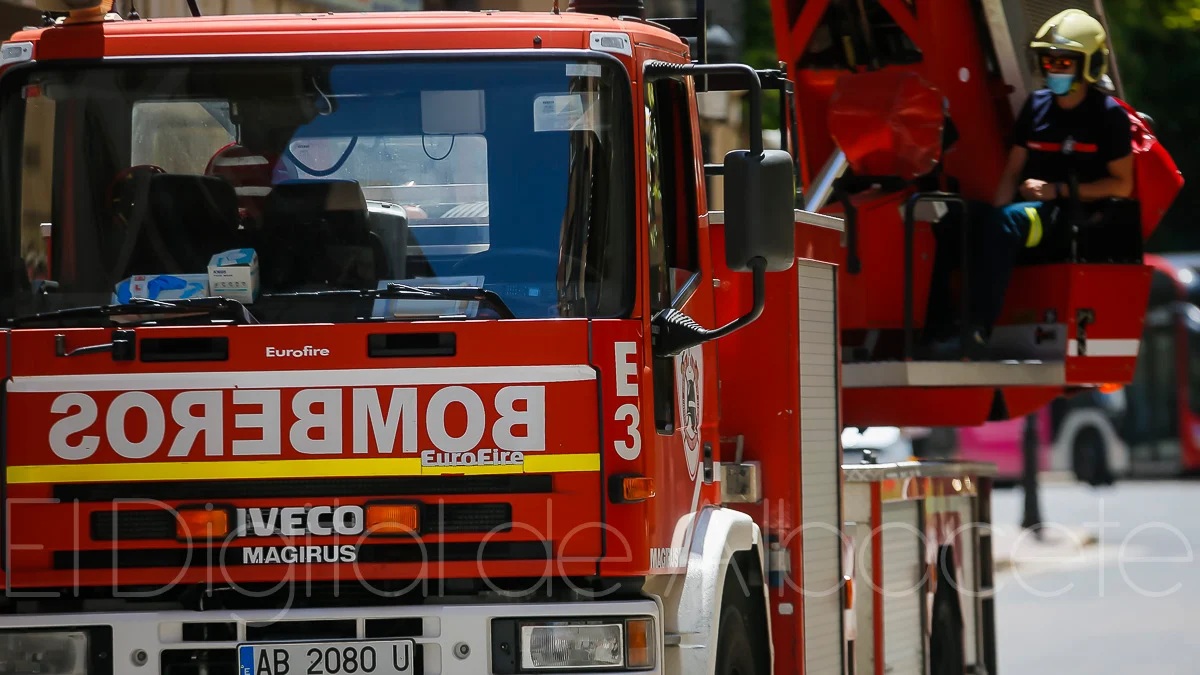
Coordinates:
<point>317,233</point>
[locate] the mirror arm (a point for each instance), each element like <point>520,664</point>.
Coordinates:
<point>758,271</point>
<point>673,331</point>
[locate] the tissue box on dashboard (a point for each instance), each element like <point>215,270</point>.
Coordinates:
<point>161,287</point>
<point>234,274</point>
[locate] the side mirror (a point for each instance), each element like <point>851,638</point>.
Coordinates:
<point>759,237</point>
<point>759,218</point>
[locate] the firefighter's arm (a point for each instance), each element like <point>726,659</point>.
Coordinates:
<point>1008,178</point>
<point>1118,184</point>
<point>1116,148</point>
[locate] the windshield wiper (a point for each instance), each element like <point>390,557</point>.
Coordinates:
<point>395,291</point>
<point>214,307</point>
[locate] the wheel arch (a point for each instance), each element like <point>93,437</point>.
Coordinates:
<point>1116,450</point>
<point>723,540</point>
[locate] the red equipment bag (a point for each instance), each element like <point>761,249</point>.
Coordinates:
<point>1156,179</point>
<point>889,123</point>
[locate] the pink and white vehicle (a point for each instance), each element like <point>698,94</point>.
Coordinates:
<point>1078,434</point>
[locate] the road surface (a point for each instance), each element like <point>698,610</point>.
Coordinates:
<point>1127,602</point>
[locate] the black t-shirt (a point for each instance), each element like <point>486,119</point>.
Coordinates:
<point>1097,131</point>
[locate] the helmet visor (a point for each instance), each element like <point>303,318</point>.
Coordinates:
<point>1058,62</point>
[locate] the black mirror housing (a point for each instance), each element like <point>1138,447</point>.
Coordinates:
<point>760,221</point>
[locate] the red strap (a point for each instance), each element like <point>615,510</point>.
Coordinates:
<point>1058,147</point>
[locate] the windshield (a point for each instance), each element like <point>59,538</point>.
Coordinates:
<point>258,181</point>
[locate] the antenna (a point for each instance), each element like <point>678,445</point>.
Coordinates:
<point>192,6</point>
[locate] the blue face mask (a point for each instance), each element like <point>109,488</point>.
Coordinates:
<point>1060,83</point>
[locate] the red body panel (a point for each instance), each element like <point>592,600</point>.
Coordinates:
<point>90,421</point>
<point>1117,295</point>
<point>295,33</point>
<point>874,298</point>
<point>760,401</point>
<point>938,406</point>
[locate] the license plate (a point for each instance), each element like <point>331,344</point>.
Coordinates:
<point>379,657</point>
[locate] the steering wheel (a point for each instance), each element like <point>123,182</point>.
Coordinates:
<point>123,191</point>
<point>127,196</point>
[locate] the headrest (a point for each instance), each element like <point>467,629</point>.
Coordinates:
<point>249,172</point>
<point>319,196</point>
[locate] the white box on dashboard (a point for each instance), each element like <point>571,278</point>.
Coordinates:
<point>234,275</point>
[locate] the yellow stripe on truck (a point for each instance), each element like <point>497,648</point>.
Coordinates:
<point>294,468</point>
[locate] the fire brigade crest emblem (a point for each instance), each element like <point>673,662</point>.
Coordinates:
<point>688,384</point>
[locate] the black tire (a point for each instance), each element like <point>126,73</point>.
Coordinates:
<point>739,649</point>
<point>946,653</point>
<point>1090,458</point>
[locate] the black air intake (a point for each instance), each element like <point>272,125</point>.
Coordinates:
<point>608,7</point>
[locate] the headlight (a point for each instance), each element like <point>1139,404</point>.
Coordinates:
<point>599,644</point>
<point>44,653</point>
<point>572,646</point>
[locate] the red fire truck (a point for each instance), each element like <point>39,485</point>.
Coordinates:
<point>407,344</point>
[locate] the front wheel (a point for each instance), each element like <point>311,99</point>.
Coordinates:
<point>738,652</point>
<point>1090,457</point>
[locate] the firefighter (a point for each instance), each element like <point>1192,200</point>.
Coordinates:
<point>1072,128</point>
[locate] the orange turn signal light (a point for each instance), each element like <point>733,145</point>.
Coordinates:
<point>201,523</point>
<point>393,518</point>
<point>639,643</point>
<point>630,488</point>
<point>637,488</point>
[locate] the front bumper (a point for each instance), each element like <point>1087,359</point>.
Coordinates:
<point>449,638</point>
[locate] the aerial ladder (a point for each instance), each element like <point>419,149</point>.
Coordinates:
<point>901,115</point>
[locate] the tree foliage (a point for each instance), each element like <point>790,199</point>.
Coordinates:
<point>1157,43</point>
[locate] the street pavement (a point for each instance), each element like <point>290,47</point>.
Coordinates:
<point>1113,587</point>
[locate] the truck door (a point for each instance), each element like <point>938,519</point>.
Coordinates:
<point>684,425</point>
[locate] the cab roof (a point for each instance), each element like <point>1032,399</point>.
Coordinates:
<point>336,32</point>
